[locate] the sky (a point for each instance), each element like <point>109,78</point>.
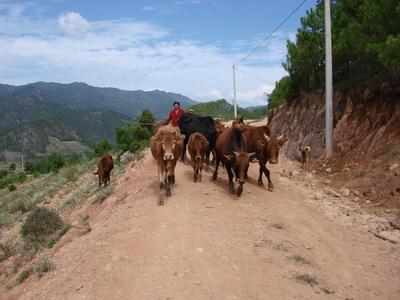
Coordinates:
<point>182,46</point>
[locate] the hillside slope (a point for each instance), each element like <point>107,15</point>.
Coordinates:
<point>366,137</point>
<point>28,122</point>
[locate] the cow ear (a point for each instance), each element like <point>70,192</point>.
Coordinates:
<point>236,153</point>
<point>180,137</point>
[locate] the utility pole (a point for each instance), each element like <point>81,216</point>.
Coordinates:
<point>234,92</point>
<point>328,82</point>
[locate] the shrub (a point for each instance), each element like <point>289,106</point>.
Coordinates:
<point>102,147</point>
<point>3,173</point>
<point>24,275</point>
<point>41,224</point>
<point>20,177</point>
<point>43,266</point>
<point>12,167</point>
<point>56,161</point>
<point>3,184</point>
<point>36,174</point>
<point>12,188</point>
<point>19,205</point>
<point>70,173</point>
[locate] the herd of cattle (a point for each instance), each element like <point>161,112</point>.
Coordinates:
<point>233,147</point>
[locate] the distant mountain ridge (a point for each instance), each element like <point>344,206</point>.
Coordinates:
<point>80,95</point>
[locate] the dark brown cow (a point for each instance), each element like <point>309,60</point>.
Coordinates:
<point>198,147</point>
<point>259,140</point>
<point>104,167</point>
<point>166,147</point>
<point>231,151</point>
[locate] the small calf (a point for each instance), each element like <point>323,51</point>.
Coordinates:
<point>305,157</point>
<point>198,147</point>
<point>104,167</point>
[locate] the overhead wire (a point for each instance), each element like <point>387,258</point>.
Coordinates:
<point>269,35</point>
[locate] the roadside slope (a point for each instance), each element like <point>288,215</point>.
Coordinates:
<point>205,244</point>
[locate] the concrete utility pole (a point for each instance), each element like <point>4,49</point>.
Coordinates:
<point>328,82</point>
<point>234,92</point>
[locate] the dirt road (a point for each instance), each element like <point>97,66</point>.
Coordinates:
<point>205,244</point>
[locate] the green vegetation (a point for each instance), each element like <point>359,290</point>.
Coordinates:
<point>299,259</point>
<point>43,266</point>
<point>12,188</point>
<point>365,39</point>
<point>24,276</point>
<point>134,138</point>
<point>102,147</point>
<point>222,109</point>
<point>40,225</point>
<point>146,119</point>
<point>12,167</point>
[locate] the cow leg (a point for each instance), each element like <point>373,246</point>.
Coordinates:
<point>200,171</point>
<point>99,180</point>
<point>214,177</point>
<point>231,187</point>
<point>185,142</point>
<point>171,172</point>
<point>161,183</point>
<point>267,174</point>
<point>169,177</point>
<point>261,171</point>
<point>208,159</point>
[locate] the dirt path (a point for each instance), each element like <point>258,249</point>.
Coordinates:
<point>205,244</point>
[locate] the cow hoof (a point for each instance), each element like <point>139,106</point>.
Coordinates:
<point>239,190</point>
<point>214,177</point>
<point>260,183</point>
<point>171,179</point>
<point>195,179</point>
<point>161,202</point>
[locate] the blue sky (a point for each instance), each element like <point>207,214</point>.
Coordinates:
<point>184,46</point>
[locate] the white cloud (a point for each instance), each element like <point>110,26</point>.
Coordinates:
<point>129,54</point>
<point>73,23</point>
<point>149,8</point>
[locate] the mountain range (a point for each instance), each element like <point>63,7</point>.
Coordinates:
<point>34,115</point>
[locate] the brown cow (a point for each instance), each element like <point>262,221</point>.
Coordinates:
<point>104,167</point>
<point>231,151</point>
<point>197,146</point>
<point>259,140</point>
<point>166,147</point>
<point>305,157</point>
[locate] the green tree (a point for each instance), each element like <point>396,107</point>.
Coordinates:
<point>146,119</point>
<point>102,147</point>
<point>132,137</point>
<point>56,161</point>
<point>12,167</point>
<point>281,92</point>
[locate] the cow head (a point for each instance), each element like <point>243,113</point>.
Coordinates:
<point>241,162</point>
<point>200,149</point>
<point>168,142</point>
<point>271,147</point>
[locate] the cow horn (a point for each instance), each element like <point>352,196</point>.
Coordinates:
<point>280,137</point>
<point>236,153</point>
<point>267,137</point>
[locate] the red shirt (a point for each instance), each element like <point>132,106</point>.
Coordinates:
<point>175,115</point>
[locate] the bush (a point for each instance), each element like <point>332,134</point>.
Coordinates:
<point>56,161</point>
<point>20,177</point>
<point>70,173</point>
<point>24,276</point>
<point>12,188</point>
<point>19,205</point>
<point>40,225</point>
<point>3,184</point>
<point>3,173</point>
<point>12,167</point>
<point>36,174</point>
<point>132,137</point>
<point>102,147</point>
<point>43,266</point>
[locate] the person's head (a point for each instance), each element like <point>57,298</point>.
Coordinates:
<point>176,104</point>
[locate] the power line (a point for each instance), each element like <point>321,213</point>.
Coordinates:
<point>252,75</point>
<point>268,36</point>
